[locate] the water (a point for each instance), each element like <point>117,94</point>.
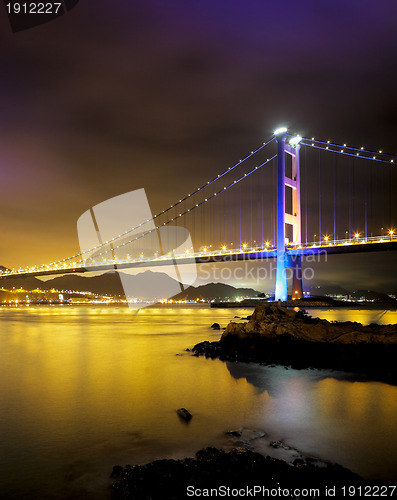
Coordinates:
<point>85,388</point>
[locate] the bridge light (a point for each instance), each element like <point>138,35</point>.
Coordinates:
<point>244,245</point>
<point>280,130</point>
<point>295,141</point>
<point>326,238</point>
<point>357,235</point>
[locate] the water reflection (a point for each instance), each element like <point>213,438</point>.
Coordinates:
<point>82,389</point>
<point>364,316</point>
<point>316,410</point>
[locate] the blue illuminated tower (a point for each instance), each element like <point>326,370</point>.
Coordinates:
<point>283,218</point>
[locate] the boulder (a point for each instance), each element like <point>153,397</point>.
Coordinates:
<point>184,414</point>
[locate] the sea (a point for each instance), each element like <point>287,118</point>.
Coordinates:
<point>84,388</point>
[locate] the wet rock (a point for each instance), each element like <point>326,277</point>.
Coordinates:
<point>234,433</point>
<point>279,336</point>
<point>117,471</point>
<point>216,326</point>
<point>235,469</point>
<point>184,414</point>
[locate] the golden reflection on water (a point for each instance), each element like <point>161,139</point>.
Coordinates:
<point>74,380</point>
<point>364,316</point>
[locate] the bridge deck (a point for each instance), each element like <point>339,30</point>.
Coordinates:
<point>214,256</point>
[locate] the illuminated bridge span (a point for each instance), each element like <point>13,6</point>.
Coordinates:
<point>274,203</point>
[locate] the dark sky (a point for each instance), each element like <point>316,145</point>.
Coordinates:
<point>118,95</point>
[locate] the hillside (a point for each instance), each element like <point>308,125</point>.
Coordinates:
<point>141,285</point>
<point>215,291</point>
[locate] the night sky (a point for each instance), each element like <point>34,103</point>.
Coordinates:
<point>118,95</point>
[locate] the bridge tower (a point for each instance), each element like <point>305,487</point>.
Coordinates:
<point>283,218</point>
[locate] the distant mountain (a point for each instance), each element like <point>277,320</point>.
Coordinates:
<point>326,289</point>
<point>108,283</point>
<point>146,285</point>
<point>29,283</point>
<point>215,291</point>
<point>371,295</point>
<point>141,285</point>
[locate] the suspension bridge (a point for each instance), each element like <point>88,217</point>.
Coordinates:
<point>289,198</point>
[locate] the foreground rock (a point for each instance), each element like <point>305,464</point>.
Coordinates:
<point>282,336</point>
<point>184,414</point>
<point>239,468</point>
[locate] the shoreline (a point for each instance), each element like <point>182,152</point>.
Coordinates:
<point>240,468</point>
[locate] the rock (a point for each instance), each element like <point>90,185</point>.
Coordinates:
<point>298,462</point>
<point>279,336</point>
<point>236,433</point>
<point>216,326</point>
<point>273,322</point>
<point>212,467</point>
<point>117,471</point>
<point>184,414</point>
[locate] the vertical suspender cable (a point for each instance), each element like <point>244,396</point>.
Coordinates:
<point>306,196</point>
<point>273,211</point>
<point>365,202</point>
<point>335,179</point>
<point>239,188</point>
<point>370,192</point>
<point>353,186</point>
<point>350,200</point>
<point>230,218</point>
<point>261,200</point>
<point>251,205</point>
<point>390,219</point>
<point>319,197</point>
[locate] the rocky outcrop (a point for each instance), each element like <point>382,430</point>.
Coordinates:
<point>239,468</point>
<point>272,322</point>
<point>184,414</point>
<point>276,335</point>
